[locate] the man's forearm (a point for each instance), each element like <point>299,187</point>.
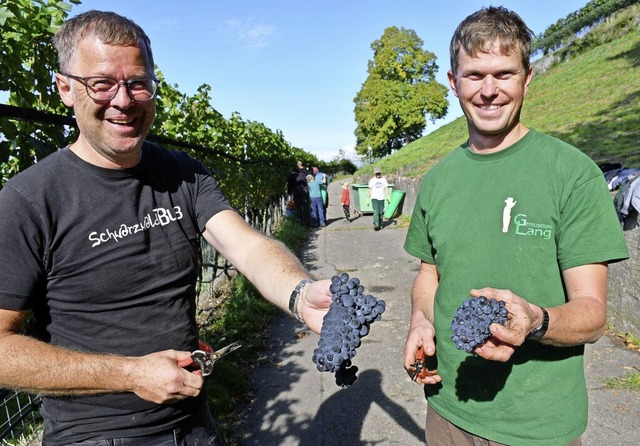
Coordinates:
<point>37,367</point>
<point>583,318</point>
<point>423,292</point>
<point>577,322</point>
<point>275,271</point>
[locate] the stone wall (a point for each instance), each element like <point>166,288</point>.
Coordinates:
<point>624,280</point>
<point>624,283</point>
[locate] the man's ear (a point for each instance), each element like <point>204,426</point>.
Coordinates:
<point>451,77</point>
<point>528,78</point>
<point>64,88</point>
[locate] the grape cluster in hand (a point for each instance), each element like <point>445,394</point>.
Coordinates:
<point>470,325</point>
<point>347,321</point>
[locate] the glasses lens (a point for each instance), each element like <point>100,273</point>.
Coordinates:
<point>102,88</point>
<point>105,88</point>
<point>142,89</point>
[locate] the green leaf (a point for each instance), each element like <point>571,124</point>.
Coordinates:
<point>5,15</point>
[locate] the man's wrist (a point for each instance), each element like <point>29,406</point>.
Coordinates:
<point>541,329</point>
<point>295,298</point>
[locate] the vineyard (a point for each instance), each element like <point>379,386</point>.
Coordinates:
<point>250,160</point>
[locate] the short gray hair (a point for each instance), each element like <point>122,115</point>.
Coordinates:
<point>109,27</point>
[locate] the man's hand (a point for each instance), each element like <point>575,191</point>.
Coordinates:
<point>523,317</point>
<point>421,334</point>
<point>158,378</point>
<point>314,303</point>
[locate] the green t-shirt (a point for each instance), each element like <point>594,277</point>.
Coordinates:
<point>513,220</point>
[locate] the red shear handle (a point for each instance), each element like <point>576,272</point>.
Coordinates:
<point>189,363</point>
<point>204,346</point>
<point>422,371</point>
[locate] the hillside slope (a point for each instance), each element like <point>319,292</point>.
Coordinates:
<point>591,101</point>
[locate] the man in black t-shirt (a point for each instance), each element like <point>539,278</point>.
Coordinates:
<point>297,188</point>
<point>100,240</point>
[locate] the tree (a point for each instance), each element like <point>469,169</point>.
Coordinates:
<point>399,93</point>
<point>27,63</point>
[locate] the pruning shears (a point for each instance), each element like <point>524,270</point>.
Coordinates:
<point>420,366</point>
<point>205,358</point>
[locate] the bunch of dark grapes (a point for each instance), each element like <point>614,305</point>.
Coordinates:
<point>470,325</point>
<point>347,321</point>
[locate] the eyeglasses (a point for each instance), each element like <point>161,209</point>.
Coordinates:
<point>140,89</point>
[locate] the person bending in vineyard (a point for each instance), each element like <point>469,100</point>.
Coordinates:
<point>521,217</point>
<point>100,240</point>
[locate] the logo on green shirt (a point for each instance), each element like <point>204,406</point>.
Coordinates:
<point>523,226</point>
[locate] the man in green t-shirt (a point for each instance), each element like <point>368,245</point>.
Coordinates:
<point>521,217</point>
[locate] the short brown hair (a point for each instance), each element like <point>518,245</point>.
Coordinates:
<point>109,27</point>
<point>479,31</point>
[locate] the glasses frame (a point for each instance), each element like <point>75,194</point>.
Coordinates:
<point>85,79</point>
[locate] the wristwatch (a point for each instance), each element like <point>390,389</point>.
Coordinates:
<point>541,329</point>
<point>295,296</point>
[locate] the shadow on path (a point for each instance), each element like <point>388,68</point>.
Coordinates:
<point>361,398</point>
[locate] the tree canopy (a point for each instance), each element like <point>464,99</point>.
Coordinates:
<point>399,93</point>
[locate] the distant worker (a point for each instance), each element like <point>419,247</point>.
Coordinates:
<point>317,209</point>
<point>323,179</point>
<point>297,189</point>
<point>378,192</point>
<point>345,201</point>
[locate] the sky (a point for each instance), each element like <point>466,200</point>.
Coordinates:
<point>296,65</point>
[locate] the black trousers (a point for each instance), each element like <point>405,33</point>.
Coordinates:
<point>198,430</point>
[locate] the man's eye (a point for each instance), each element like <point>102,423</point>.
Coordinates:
<point>102,84</point>
<point>139,84</point>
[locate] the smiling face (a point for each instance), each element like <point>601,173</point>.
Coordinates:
<point>491,87</point>
<point>111,132</point>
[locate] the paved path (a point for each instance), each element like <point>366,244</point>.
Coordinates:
<point>297,405</point>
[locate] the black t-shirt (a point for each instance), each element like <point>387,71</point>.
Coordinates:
<point>107,260</point>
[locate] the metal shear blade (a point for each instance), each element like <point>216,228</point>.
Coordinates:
<point>206,360</point>
<point>224,350</point>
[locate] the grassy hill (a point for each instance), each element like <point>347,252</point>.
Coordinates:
<point>592,101</point>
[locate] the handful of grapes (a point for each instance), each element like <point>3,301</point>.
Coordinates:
<point>470,325</point>
<point>347,321</point>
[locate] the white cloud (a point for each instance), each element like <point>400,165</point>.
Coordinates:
<point>251,35</point>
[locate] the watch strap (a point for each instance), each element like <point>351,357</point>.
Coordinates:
<point>541,329</point>
<point>295,297</point>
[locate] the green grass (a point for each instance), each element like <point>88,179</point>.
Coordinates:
<point>631,382</point>
<point>591,101</point>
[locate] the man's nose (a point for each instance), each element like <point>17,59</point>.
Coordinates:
<point>122,98</point>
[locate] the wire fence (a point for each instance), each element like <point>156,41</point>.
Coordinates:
<point>20,421</point>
